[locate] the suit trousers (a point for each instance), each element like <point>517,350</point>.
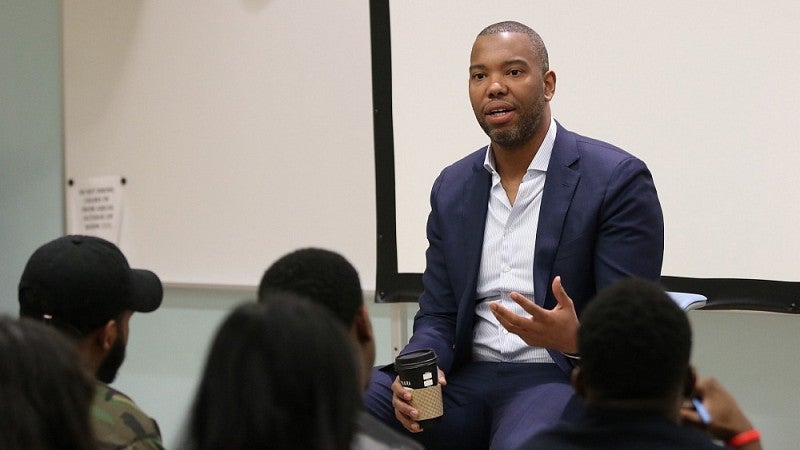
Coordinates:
<point>487,405</point>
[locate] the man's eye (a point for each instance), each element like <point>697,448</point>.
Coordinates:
<point>515,72</point>
<point>478,76</point>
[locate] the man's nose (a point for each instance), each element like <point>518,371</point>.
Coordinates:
<point>496,87</point>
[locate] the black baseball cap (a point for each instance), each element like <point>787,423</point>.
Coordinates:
<point>80,282</point>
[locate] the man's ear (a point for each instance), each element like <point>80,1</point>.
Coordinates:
<point>549,85</point>
<point>690,381</point>
<point>578,382</point>
<point>363,326</point>
<point>107,335</point>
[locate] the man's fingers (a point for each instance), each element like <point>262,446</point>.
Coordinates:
<point>406,414</point>
<point>403,411</point>
<point>527,304</point>
<point>399,391</point>
<point>561,295</point>
<point>504,315</point>
<point>408,423</point>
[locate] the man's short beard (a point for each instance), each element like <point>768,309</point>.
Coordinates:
<point>519,135</point>
<point>511,139</point>
<point>107,371</point>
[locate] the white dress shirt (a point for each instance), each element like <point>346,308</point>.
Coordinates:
<point>509,242</point>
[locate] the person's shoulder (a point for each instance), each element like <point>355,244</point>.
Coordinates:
<point>373,434</point>
<point>595,150</point>
<point>463,170</point>
<point>693,438</point>
<point>620,438</point>
<point>111,400</point>
<point>468,163</point>
<point>119,423</point>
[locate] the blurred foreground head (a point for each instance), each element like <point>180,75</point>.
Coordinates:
<point>45,392</point>
<point>279,375</point>
<point>635,344</point>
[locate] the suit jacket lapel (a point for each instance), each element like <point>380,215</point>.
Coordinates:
<point>475,205</point>
<point>559,189</point>
<point>473,212</point>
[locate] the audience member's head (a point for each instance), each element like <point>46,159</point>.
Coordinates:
<point>635,344</point>
<point>84,286</point>
<point>45,392</point>
<point>327,278</point>
<point>279,375</point>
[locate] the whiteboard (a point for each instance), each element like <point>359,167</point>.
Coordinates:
<point>706,93</point>
<point>243,130</point>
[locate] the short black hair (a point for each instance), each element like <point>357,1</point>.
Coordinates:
<point>635,342</point>
<point>322,276</point>
<point>537,43</point>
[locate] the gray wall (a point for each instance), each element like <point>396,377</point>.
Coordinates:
<point>30,135</point>
<point>752,353</point>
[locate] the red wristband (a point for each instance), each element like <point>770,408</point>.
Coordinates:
<point>744,438</point>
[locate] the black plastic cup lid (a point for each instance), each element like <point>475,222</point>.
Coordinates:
<point>415,359</point>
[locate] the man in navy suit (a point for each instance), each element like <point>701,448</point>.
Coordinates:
<point>514,227</point>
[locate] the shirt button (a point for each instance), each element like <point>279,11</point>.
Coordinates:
<point>506,268</point>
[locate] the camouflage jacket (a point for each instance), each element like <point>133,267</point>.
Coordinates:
<point>119,424</point>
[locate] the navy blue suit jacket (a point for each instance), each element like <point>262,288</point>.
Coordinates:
<point>600,220</point>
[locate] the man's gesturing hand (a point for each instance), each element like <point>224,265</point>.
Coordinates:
<point>556,329</point>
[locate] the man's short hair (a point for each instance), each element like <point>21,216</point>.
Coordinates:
<point>634,341</point>
<point>323,276</point>
<point>537,43</point>
<point>78,283</point>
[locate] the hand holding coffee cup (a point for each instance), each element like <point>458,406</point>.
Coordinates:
<point>418,370</point>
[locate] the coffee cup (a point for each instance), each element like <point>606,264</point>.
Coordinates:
<point>418,370</point>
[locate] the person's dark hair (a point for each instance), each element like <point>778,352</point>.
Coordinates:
<point>44,391</point>
<point>516,27</point>
<point>320,275</point>
<point>634,341</point>
<point>279,375</point>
